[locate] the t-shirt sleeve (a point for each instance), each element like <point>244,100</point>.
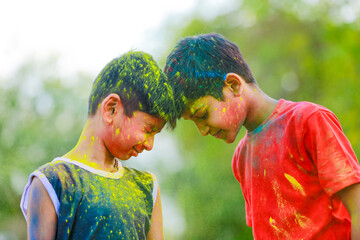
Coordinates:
<point>155,188</point>
<point>49,188</point>
<point>236,163</point>
<point>331,152</point>
<point>237,171</point>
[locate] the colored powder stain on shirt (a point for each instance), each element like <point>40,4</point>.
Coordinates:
<point>302,220</point>
<point>117,131</point>
<point>135,195</point>
<point>279,198</point>
<point>281,233</point>
<point>286,213</point>
<point>295,184</point>
<point>258,129</point>
<point>272,224</point>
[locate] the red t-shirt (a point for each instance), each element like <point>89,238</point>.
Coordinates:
<point>290,168</point>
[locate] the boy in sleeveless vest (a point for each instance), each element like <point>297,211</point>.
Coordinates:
<point>297,170</point>
<point>87,193</point>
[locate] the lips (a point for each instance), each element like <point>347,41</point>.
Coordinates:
<point>136,151</point>
<point>217,134</point>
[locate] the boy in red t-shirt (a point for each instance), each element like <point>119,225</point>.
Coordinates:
<point>297,170</point>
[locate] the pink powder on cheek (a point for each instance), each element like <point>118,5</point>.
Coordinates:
<point>230,113</point>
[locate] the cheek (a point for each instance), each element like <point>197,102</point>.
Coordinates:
<point>232,114</point>
<point>131,136</point>
<point>117,138</point>
<point>231,119</point>
<point>124,133</point>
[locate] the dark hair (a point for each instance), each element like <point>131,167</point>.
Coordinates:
<point>198,65</point>
<point>140,84</point>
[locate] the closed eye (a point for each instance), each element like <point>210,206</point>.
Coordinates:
<point>201,116</point>
<point>204,116</point>
<point>150,129</point>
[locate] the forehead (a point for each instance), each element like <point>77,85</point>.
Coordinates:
<point>145,118</point>
<point>192,107</point>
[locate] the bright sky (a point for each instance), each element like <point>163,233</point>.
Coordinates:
<point>86,34</point>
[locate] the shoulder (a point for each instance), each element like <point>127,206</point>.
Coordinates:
<point>47,178</point>
<point>146,181</point>
<point>62,176</point>
<point>300,112</point>
<point>57,168</point>
<point>139,175</point>
<point>56,164</point>
<point>303,107</point>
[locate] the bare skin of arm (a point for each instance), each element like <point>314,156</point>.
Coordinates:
<point>156,230</point>
<point>41,216</point>
<point>350,197</point>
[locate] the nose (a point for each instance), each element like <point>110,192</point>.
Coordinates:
<point>203,128</point>
<point>149,143</point>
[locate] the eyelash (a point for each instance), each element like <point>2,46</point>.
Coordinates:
<point>147,130</point>
<point>204,116</point>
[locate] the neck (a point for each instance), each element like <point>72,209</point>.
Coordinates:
<point>91,150</point>
<point>260,107</point>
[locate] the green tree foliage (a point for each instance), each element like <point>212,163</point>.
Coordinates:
<point>297,51</point>
<point>41,116</point>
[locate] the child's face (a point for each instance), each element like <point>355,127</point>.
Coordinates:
<point>221,119</point>
<point>131,135</point>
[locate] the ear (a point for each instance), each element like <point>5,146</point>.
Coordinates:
<point>235,83</point>
<point>110,107</point>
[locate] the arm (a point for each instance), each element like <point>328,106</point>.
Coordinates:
<point>156,229</point>
<point>350,197</point>
<point>41,216</point>
<point>338,167</point>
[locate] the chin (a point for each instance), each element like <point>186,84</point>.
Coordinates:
<point>229,140</point>
<point>124,158</point>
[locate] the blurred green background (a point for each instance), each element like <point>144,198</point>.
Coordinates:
<point>300,50</point>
